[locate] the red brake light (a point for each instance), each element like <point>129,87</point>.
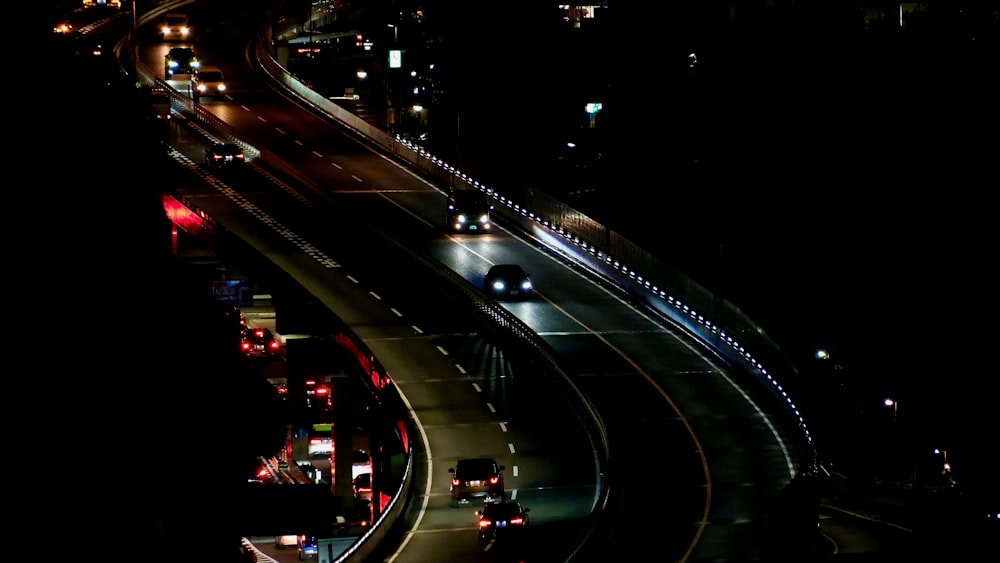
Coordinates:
<point>456,482</point>
<point>274,345</point>
<point>485,523</point>
<point>517,521</point>
<point>322,390</point>
<point>494,479</point>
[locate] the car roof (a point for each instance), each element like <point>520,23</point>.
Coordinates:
<point>507,269</point>
<point>468,196</point>
<point>483,465</point>
<point>503,508</point>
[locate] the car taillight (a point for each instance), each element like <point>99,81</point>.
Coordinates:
<point>456,482</point>
<point>245,345</point>
<point>494,479</point>
<point>516,521</point>
<point>273,345</point>
<point>485,523</point>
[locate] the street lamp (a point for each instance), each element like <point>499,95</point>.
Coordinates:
<point>895,407</point>
<point>944,456</point>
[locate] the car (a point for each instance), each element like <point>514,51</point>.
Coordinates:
<point>469,212</point>
<point>180,60</point>
<point>259,341</point>
<point>507,281</point>
<point>159,101</point>
<point>476,479</point>
<point>175,27</point>
<point>281,542</point>
<point>501,519</point>
<point>224,154</point>
<point>116,4</point>
<point>207,81</point>
<point>308,546</point>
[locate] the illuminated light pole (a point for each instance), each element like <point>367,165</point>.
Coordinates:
<point>944,456</point>
<point>895,407</point>
<point>395,62</point>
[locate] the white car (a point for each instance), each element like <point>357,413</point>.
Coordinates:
<point>208,81</point>
<point>175,27</point>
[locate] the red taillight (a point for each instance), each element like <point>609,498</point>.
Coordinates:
<point>259,333</point>
<point>274,345</point>
<point>485,523</point>
<point>516,521</point>
<point>322,390</point>
<point>456,482</point>
<point>245,346</point>
<point>494,479</point>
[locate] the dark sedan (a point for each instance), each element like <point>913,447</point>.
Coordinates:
<point>499,520</point>
<point>224,154</point>
<point>507,281</point>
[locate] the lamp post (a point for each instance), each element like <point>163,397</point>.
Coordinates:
<point>392,116</point>
<point>895,407</point>
<point>944,457</point>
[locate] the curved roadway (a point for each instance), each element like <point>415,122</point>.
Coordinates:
<point>698,465</point>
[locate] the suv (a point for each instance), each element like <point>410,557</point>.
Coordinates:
<point>207,81</point>
<point>476,478</point>
<point>180,60</point>
<point>468,211</point>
